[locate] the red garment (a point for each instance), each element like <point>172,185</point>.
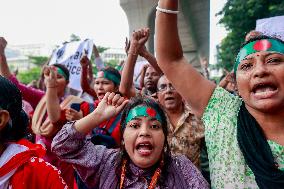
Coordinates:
<point>85,107</point>
<point>32,172</point>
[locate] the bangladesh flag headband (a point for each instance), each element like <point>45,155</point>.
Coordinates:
<point>112,77</point>
<point>143,111</point>
<point>61,72</point>
<point>269,45</point>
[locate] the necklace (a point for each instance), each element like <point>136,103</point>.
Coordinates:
<point>153,180</point>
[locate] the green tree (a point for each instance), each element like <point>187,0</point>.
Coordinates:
<point>38,60</point>
<point>239,17</point>
<point>74,37</point>
<point>29,75</point>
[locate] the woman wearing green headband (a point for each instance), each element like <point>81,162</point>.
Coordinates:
<point>244,135</point>
<point>143,160</point>
<point>107,80</point>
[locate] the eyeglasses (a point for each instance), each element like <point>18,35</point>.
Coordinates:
<point>164,87</point>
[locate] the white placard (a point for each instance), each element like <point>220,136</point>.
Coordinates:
<point>69,54</point>
<point>273,26</point>
<point>138,67</point>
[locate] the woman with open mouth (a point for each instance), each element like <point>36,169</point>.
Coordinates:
<point>107,80</point>
<point>244,134</point>
<point>143,160</point>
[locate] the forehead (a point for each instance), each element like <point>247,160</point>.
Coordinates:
<point>150,69</point>
<point>262,54</point>
<point>163,80</point>
<point>144,118</point>
<point>100,77</point>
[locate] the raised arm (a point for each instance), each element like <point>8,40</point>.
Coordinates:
<point>98,60</point>
<point>110,106</point>
<point>4,69</point>
<point>30,94</point>
<point>138,40</point>
<point>52,101</point>
<point>150,58</point>
<point>194,88</point>
<point>85,62</point>
<point>142,75</point>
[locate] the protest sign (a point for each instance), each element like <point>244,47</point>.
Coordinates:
<point>273,26</point>
<point>137,69</point>
<point>69,54</point>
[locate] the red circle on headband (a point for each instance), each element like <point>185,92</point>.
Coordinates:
<point>262,45</point>
<point>151,112</point>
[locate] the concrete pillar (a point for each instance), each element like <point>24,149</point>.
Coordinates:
<point>193,24</point>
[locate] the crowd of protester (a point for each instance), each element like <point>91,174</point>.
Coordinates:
<point>176,129</point>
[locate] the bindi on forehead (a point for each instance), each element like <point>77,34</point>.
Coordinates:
<point>258,54</point>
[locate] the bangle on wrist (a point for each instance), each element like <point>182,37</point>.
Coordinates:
<point>167,10</point>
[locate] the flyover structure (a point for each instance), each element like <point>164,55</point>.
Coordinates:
<point>193,24</point>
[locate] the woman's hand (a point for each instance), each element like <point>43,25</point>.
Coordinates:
<point>85,62</point>
<point>72,114</point>
<point>50,77</point>
<point>110,106</point>
<point>138,40</point>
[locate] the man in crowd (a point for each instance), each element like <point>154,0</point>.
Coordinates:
<point>186,131</point>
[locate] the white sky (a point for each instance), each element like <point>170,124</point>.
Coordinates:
<point>217,31</point>
<point>53,21</point>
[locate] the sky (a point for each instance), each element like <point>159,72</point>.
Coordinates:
<point>217,31</point>
<point>53,21</point>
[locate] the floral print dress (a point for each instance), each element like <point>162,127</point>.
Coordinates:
<point>228,168</point>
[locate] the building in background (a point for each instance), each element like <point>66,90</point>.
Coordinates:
<point>18,55</point>
<point>113,54</point>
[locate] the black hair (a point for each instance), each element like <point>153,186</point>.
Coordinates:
<point>137,101</point>
<point>113,71</point>
<point>64,69</point>
<point>11,100</point>
<point>259,37</point>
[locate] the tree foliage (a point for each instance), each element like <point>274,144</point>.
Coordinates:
<point>74,37</point>
<point>239,17</point>
<point>29,75</point>
<point>38,60</point>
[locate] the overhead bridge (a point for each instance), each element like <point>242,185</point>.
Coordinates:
<point>193,24</point>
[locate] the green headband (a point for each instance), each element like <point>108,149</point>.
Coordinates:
<point>143,111</point>
<point>269,45</point>
<point>61,72</point>
<point>112,77</point>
